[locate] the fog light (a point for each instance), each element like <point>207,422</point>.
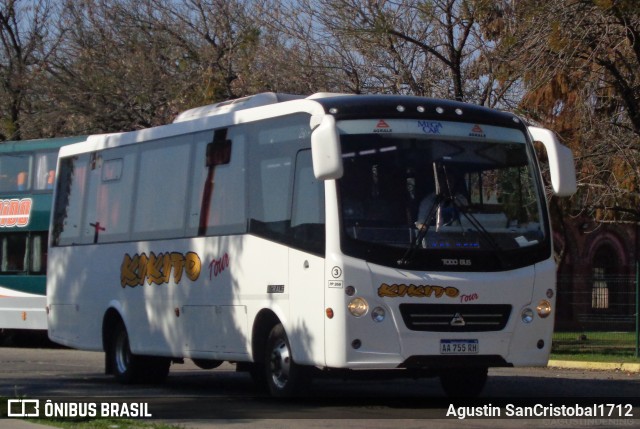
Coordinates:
<point>356,344</point>
<point>378,314</point>
<point>550,293</point>
<point>527,315</point>
<point>350,290</point>
<point>358,307</point>
<point>540,344</point>
<point>544,308</point>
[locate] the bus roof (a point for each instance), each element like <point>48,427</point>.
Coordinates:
<point>206,119</point>
<point>11,146</point>
<point>268,105</point>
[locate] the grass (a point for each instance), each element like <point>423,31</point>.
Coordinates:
<point>595,346</point>
<point>594,357</point>
<point>102,423</point>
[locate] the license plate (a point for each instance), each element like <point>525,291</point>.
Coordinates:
<point>458,347</point>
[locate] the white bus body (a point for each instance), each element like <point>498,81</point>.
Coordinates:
<point>283,237</point>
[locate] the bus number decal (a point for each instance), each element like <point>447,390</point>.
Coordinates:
<point>157,269</point>
<point>15,212</point>
<point>416,291</point>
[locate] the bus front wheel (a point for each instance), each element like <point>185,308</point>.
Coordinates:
<point>284,376</point>
<point>129,368</point>
<point>463,382</point>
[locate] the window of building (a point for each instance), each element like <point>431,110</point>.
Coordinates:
<point>604,268</point>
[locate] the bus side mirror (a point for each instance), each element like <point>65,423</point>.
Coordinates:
<point>561,166</point>
<point>325,148</point>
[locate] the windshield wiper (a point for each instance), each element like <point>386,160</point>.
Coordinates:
<point>486,235</point>
<point>422,232</point>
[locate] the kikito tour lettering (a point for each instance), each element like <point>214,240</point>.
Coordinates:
<point>159,269</point>
<point>416,291</point>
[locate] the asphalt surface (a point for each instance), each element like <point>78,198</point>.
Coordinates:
<point>64,372</point>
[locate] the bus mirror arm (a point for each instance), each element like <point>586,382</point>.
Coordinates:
<point>561,164</point>
<point>325,148</point>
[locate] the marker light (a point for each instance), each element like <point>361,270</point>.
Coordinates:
<point>527,315</point>
<point>378,314</point>
<point>329,312</point>
<point>543,308</point>
<point>358,307</point>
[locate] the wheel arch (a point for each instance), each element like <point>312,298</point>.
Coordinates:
<point>264,322</point>
<point>111,317</point>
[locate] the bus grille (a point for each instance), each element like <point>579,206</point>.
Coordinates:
<point>455,318</point>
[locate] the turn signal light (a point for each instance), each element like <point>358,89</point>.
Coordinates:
<point>543,308</point>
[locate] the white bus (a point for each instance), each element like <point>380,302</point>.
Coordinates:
<point>283,234</point>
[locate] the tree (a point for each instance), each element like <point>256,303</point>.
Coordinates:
<point>435,48</point>
<point>26,46</point>
<point>111,73</point>
<point>580,63</point>
<point>129,64</point>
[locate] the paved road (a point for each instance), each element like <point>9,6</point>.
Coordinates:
<point>227,398</point>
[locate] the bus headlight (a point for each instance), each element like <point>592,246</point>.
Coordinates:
<point>358,307</point>
<point>378,314</point>
<point>543,308</point>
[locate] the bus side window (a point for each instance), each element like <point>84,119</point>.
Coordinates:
<point>307,214</point>
<point>14,173</point>
<point>109,196</point>
<point>218,195</point>
<point>14,253</point>
<point>45,166</point>
<point>273,153</point>
<point>67,210</point>
<point>162,188</point>
<point>38,252</point>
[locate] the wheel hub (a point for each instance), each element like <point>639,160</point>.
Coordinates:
<point>280,364</point>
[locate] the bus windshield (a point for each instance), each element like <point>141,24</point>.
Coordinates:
<point>413,190</point>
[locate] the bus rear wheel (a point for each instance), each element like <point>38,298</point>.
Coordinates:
<point>463,382</point>
<point>129,368</point>
<point>285,378</point>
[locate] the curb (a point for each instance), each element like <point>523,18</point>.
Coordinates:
<point>603,366</point>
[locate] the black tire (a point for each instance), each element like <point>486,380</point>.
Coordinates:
<point>129,368</point>
<point>284,377</point>
<point>257,373</point>
<point>463,382</point>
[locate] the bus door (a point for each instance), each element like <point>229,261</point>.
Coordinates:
<point>307,263</point>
